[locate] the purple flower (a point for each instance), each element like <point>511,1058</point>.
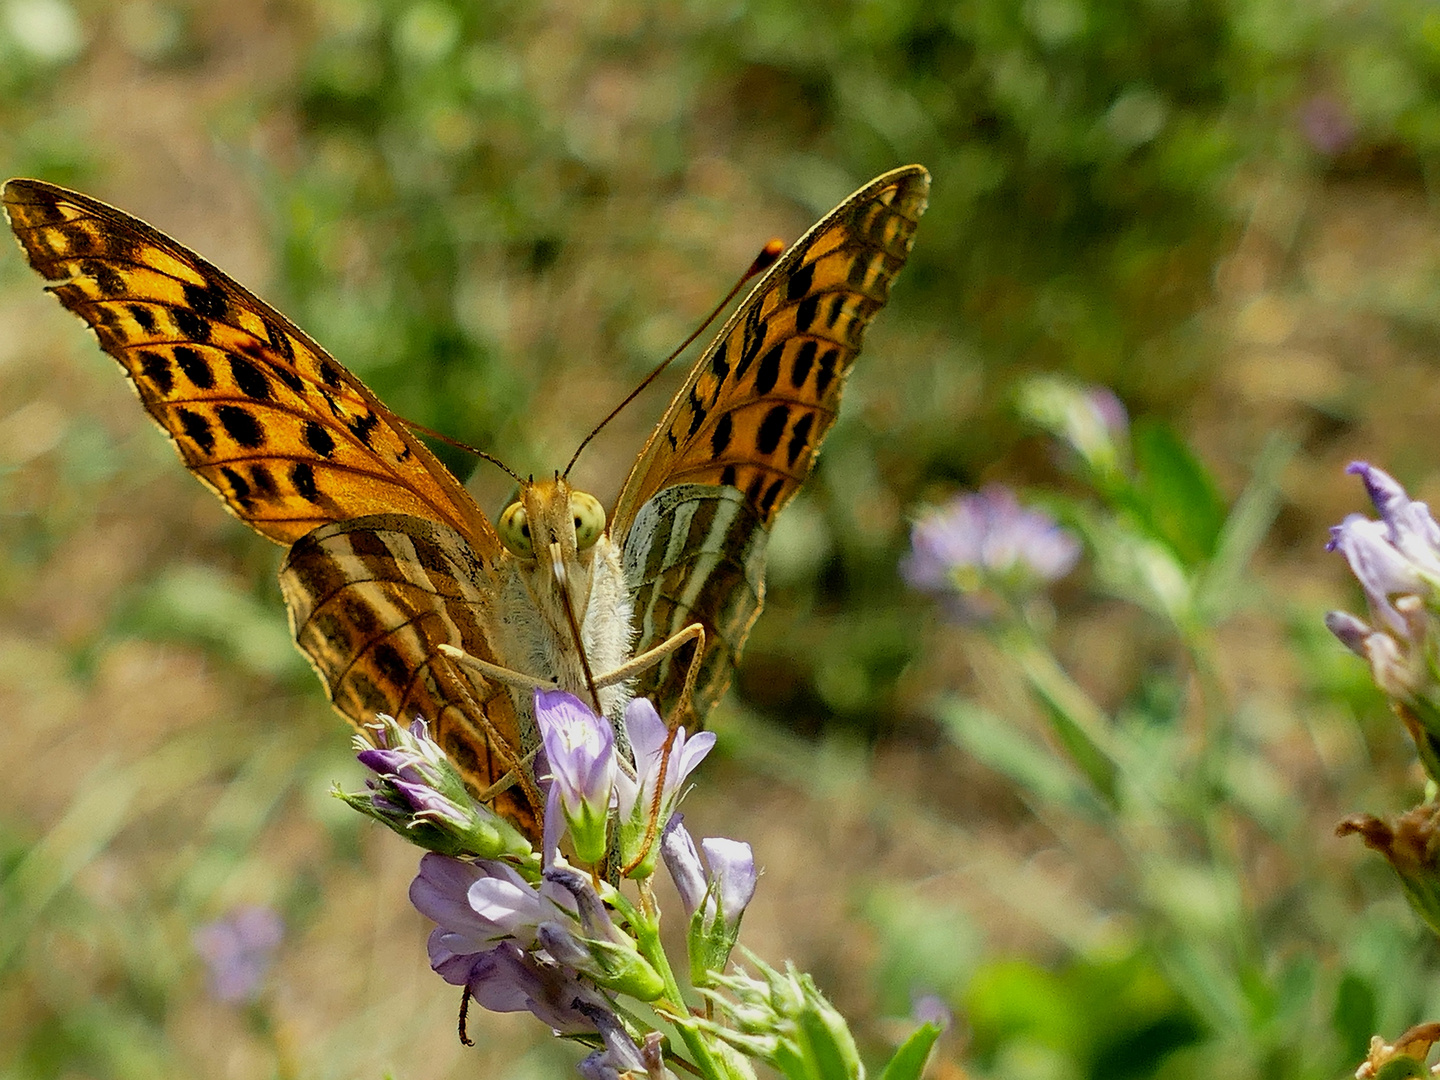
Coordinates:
<point>506,978</point>
<point>475,905</point>
<point>1327,124</point>
<point>1399,555</point>
<point>238,949</point>
<point>595,946</point>
<point>987,539</point>
<point>1397,561</point>
<point>491,935</point>
<point>656,749</point>
<point>580,747</point>
<point>714,899</point>
<point>621,1057</point>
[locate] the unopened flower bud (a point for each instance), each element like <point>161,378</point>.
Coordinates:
<point>417,792</point>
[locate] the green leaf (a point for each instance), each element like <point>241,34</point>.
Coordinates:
<point>827,1048</point>
<point>1027,761</point>
<point>910,1058</point>
<point>1179,499</point>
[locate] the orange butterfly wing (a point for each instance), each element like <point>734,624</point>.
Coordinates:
<point>259,412</point>
<point>291,442</point>
<point>741,436</point>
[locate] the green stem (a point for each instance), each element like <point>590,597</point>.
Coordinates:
<point>645,925</point>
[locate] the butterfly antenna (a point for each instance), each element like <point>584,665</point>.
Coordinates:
<point>421,429</point>
<point>768,254</point>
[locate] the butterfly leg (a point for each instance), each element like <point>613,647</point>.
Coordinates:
<point>503,675</point>
<point>519,769</point>
<point>650,657</point>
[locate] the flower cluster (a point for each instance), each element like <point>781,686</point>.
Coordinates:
<point>982,547</point>
<point>1397,562</point>
<point>237,949</point>
<point>531,931</point>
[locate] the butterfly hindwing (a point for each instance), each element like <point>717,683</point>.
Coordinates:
<point>749,421</point>
<point>370,599</point>
<point>258,411</point>
<point>696,555</point>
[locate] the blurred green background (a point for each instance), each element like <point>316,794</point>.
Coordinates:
<point>500,215</point>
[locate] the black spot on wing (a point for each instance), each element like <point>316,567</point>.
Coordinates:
<point>239,486</point>
<point>302,478</point>
<point>249,378</point>
<point>190,324</point>
<point>728,476</point>
<point>697,413</point>
<point>720,437</point>
<point>262,480</point>
<point>330,374</point>
<point>207,302</point>
<point>804,360</point>
<point>318,439</point>
<point>767,500</point>
<point>289,377</point>
<point>391,665</point>
<point>772,428</point>
<point>197,429</point>
<point>279,340</point>
<point>143,316</point>
<point>825,373</point>
<point>768,372</point>
<point>108,280</point>
<point>194,367</point>
<point>805,313</point>
<point>241,426</point>
<point>754,341</point>
<point>719,365</point>
<point>363,427</point>
<point>799,438</point>
<point>155,368</point>
<point>800,282</point>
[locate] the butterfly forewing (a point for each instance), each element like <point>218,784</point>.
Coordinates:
<point>750,419</point>
<point>756,407</point>
<point>266,418</point>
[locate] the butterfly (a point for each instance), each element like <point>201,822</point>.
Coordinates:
<point>403,595</point>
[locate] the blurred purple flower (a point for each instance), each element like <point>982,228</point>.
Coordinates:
<point>986,539</point>
<point>932,1009</point>
<point>1109,411</point>
<point>1327,124</point>
<point>238,949</point>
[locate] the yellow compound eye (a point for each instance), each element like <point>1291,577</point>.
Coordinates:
<point>514,530</point>
<point>589,518</point>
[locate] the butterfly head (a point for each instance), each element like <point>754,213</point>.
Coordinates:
<point>549,519</point>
